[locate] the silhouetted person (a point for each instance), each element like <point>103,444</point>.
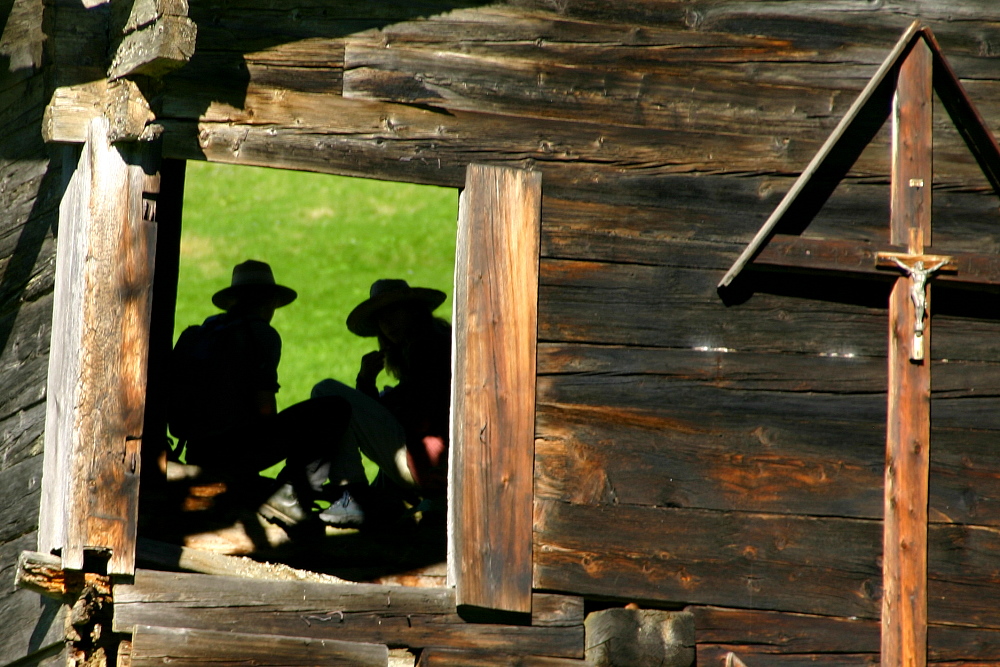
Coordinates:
<point>404,428</point>
<point>223,406</point>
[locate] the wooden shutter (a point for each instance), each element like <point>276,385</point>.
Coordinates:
<point>493,406</point>
<point>97,365</point>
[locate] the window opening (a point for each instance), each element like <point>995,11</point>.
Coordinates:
<point>329,238</point>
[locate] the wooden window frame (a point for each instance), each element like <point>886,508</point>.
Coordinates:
<point>102,338</point>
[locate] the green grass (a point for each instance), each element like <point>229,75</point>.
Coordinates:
<point>327,237</point>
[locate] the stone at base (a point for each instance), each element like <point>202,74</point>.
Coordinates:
<point>640,637</point>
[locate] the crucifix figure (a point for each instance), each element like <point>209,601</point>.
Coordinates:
<point>919,69</point>
<point>913,266</point>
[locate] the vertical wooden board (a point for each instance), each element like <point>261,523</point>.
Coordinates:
<point>64,362</point>
<point>98,381</point>
<point>186,647</point>
<point>904,602</point>
<point>493,395</point>
<point>161,338</point>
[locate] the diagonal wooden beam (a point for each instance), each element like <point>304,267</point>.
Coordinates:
<point>838,153</point>
<point>967,119</point>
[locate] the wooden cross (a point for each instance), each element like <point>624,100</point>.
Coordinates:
<point>919,70</point>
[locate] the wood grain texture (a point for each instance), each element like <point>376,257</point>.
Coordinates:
<point>185,647</point>
<point>815,565</point>
<point>31,625</point>
<point>787,637</point>
<point>98,370</point>
<point>154,50</point>
<point>598,455</point>
<point>394,615</point>
<point>31,629</point>
<point>907,465</point>
<point>803,255</point>
<point>551,609</point>
<point>677,306</point>
<point>493,403</point>
<point>445,658</point>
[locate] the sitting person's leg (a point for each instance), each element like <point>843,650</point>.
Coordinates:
<point>311,435</point>
<point>379,436</point>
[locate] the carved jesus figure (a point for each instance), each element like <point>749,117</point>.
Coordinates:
<point>918,289</point>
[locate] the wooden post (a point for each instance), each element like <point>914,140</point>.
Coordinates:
<point>97,368</point>
<point>904,601</point>
<point>493,406</point>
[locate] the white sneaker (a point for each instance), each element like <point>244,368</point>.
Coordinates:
<point>345,511</point>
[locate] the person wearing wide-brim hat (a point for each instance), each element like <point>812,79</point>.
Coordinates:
<point>415,349</point>
<point>253,282</point>
<point>227,412</point>
<point>387,293</point>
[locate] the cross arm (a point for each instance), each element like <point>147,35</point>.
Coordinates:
<point>787,252</point>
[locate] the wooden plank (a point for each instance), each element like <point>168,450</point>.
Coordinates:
<point>787,252</point>
<point>151,553</point>
<point>814,565</point>
<point>329,134</point>
<point>393,615</point>
<point>64,363</point>
<point>19,485</point>
<point>186,647</point>
<point>615,84</point>
<point>778,635</point>
<point>782,633</point>
<point>660,306</point>
<point>754,656</point>
<point>551,609</point>
<point>796,466</point>
<point>69,112</point>
<point>904,602</point>
<point>155,49</point>
<point>493,403</point>
<point>311,132</point>
<point>709,217</point>
<point>98,368</point>
<point>808,565</point>
<point>43,574</point>
<point>444,658</point>
<point>128,17</point>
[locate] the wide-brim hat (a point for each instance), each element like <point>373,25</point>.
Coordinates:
<point>253,280</point>
<point>389,292</point>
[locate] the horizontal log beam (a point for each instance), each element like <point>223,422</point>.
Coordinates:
<point>154,647</point>
<point>678,306</point>
<point>44,574</point>
<point>171,557</point>
<point>784,636</point>
<point>797,253</point>
<point>446,658</point>
<point>813,565</point>
<point>155,49</point>
<point>392,615</point>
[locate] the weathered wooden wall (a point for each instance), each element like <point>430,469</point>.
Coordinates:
<point>728,457</point>
<point>30,182</point>
<point>687,451</point>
